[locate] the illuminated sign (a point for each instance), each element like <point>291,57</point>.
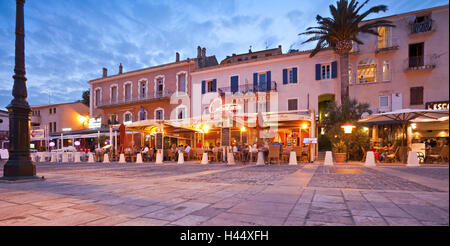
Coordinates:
<point>95,123</point>
<point>217,106</point>
<point>437,105</point>
<point>67,129</point>
<point>37,134</point>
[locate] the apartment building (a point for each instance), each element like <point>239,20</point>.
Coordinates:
<point>158,92</point>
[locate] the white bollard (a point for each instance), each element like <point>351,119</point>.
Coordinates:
<point>180,157</point>
<point>105,158</point>
<point>159,157</point>
<point>328,159</point>
<point>139,158</point>
<point>76,157</point>
<point>413,161</point>
<point>205,158</point>
<point>122,158</point>
<point>293,158</point>
<point>65,157</point>
<point>230,158</point>
<point>54,157</point>
<point>90,158</point>
<point>260,160</point>
<point>370,159</point>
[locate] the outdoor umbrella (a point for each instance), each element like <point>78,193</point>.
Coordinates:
<point>404,116</point>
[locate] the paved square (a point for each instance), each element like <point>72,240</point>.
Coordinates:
<point>192,194</point>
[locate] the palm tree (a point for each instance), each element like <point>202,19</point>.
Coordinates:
<point>339,31</point>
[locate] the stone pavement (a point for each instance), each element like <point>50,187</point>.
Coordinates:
<point>193,194</point>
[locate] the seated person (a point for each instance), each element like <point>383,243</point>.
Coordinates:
<point>387,151</point>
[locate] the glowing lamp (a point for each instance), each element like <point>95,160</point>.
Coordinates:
<point>243,129</point>
<point>82,119</point>
<point>366,129</point>
<point>51,144</point>
<point>348,128</point>
<point>77,143</point>
<point>205,129</point>
<point>413,126</point>
<point>304,126</point>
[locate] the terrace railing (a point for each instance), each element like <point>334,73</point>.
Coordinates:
<point>139,99</point>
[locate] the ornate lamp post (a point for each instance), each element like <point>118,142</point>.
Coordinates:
<point>19,164</point>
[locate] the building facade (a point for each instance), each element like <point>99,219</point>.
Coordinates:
<point>60,117</point>
<point>159,92</point>
<point>4,125</point>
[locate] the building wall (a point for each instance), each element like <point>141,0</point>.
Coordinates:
<point>66,116</point>
<point>4,124</point>
<point>434,81</point>
<point>168,73</point>
<point>306,85</point>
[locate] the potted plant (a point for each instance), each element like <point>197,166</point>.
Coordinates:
<point>340,151</point>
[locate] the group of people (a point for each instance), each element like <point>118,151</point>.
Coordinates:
<point>174,150</point>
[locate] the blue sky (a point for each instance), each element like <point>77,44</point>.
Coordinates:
<point>68,42</point>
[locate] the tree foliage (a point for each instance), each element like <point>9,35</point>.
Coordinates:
<point>86,97</point>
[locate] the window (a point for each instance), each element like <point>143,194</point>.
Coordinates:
<point>416,96</point>
<point>367,71</point>
<point>114,119</point>
<point>383,38</point>
<point>182,82</point>
<point>383,102</point>
<point>416,56</point>
<point>51,110</point>
<point>143,91</point>
<point>127,92</point>
<point>326,71</point>
<point>127,117</point>
<point>210,86</point>
<point>54,126</point>
<point>159,114</point>
<point>159,87</point>
<point>114,94</point>
<point>262,80</point>
<point>50,129</point>
<point>386,71</point>
<point>422,24</point>
<point>292,104</point>
<point>290,76</point>
<point>97,97</point>
<point>181,113</point>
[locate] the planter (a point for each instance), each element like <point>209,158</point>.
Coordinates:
<point>340,157</point>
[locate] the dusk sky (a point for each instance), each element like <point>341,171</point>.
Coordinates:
<point>68,42</point>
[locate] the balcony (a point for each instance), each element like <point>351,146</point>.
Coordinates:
<point>35,119</point>
<point>134,100</point>
<point>422,27</point>
<point>384,45</point>
<point>248,88</point>
<point>420,63</point>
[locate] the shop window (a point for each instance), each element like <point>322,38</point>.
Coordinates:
<point>416,96</point>
<point>293,104</point>
<point>367,71</point>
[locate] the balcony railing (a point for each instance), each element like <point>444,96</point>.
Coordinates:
<point>422,27</point>
<point>140,99</point>
<point>414,63</point>
<point>248,88</point>
<point>387,45</point>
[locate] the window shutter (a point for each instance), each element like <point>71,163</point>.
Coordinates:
<point>294,74</point>
<point>416,95</point>
<point>214,85</point>
<point>334,69</point>
<point>285,76</point>
<point>255,81</point>
<point>203,87</point>
<point>269,80</point>
<point>234,84</point>
<point>317,71</point>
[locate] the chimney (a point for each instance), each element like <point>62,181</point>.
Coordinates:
<point>199,51</point>
<point>105,72</point>
<point>177,57</point>
<point>204,52</point>
<point>120,68</point>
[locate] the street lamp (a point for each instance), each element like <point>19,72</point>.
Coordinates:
<point>348,128</point>
<point>19,165</point>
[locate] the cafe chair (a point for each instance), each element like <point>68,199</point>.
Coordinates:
<point>439,154</point>
<point>274,153</point>
<point>285,155</point>
<point>392,157</point>
<point>298,152</point>
<point>212,156</point>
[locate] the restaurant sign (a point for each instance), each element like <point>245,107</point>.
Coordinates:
<point>95,123</point>
<point>437,105</point>
<point>37,134</point>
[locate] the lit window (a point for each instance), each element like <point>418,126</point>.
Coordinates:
<point>383,38</point>
<point>386,71</point>
<point>367,70</point>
